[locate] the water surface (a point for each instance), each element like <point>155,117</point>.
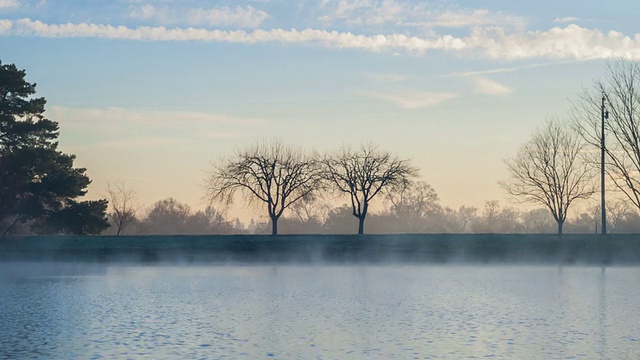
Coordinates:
<point>319,312</point>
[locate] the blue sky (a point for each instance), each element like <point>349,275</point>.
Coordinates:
<point>151,92</point>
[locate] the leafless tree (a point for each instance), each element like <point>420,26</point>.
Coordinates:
<point>464,216</point>
<point>618,211</point>
<point>123,205</point>
<point>621,92</point>
<point>269,173</point>
<point>548,170</point>
<point>365,173</point>
<point>417,205</point>
<point>310,210</point>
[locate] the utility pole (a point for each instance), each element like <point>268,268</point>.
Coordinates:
<point>603,209</point>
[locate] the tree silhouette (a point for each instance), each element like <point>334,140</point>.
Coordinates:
<point>123,205</point>
<point>548,171</point>
<point>268,173</point>
<point>38,183</point>
<point>621,90</point>
<point>365,173</point>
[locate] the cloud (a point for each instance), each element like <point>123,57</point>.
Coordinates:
<point>566,19</point>
<point>570,42</point>
<point>247,17</point>
<point>5,26</point>
<point>416,99</point>
<point>484,86</point>
<point>9,4</point>
<point>333,39</point>
<point>507,69</point>
<point>475,18</point>
<point>411,14</point>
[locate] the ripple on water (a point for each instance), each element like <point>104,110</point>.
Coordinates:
<point>357,312</point>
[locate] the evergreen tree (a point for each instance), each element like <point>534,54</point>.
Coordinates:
<point>38,183</point>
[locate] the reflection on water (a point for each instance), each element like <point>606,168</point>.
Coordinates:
<point>323,312</point>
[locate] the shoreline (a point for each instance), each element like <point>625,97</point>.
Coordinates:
<point>615,249</point>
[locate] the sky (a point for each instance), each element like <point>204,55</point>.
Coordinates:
<point>152,93</point>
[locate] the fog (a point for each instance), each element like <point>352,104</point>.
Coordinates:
<point>526,249</point>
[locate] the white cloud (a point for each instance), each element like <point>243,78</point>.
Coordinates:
<point>475,18</point>
<point>484,86</point>
<point>412,14</point>
<point>507,69</point>
<point>5,26</point>
<point>9,4</point>
<point>571,42</point>
<point>239,16</point>
<point>416,99</point>
<point>334,39</point>
<point>566,19</point>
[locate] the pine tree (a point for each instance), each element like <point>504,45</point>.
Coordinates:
<point>38,183</point>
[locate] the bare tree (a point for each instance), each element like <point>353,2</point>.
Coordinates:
<point>548,170</point>
<point>269,173</point>
<point>123,205</point>
<point>310,210</point>
<point>618,211</point>
<point>365,173</point>
<point>621,92</point>
<point>417,206</point>
<point>464,216</point>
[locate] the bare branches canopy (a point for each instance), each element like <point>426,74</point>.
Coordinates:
<point>365,173</point>
<point>548,170</point>
<point>621,92</point>
<point>123,205</point>
<point>270,173</point>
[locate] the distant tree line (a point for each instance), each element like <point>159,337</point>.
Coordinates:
<point>418,210</point>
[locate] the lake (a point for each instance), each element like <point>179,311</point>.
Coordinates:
<point>64,311</point>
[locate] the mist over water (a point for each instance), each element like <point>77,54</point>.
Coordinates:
<point>391,311</point>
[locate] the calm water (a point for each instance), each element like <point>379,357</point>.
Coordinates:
<point>321,312</point>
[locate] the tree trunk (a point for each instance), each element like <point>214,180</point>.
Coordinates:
<point>361,225</point>
<point>560,224</point>
<point>274,226</point>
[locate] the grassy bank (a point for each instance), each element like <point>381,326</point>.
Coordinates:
<point>431,248</point>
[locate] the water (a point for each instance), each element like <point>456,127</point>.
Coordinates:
<point>321,312</point>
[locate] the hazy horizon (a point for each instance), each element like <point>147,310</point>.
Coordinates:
<point>151,92</point>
